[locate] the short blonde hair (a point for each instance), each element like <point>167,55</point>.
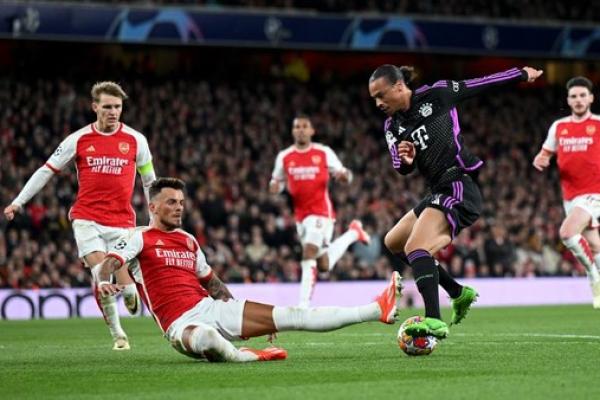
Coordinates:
<point>108,87</point>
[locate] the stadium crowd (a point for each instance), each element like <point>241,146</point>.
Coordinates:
<point>584,10</point>
<point>221,137</point>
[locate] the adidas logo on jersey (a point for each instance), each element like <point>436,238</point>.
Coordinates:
<point>159,243</point>
<point>91,149</point>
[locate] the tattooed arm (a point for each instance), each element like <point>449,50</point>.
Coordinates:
<point>216,288</point>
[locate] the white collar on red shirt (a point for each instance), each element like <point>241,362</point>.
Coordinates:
<point>303,150</point>
<point>587,116</point>
<point>96,130</point>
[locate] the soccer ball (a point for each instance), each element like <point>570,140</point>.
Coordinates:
<point>415,346</point>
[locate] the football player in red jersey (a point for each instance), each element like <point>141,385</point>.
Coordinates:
<point>575,142</point>
<point>306,167</point>
<point>192,306</point>
<point>107,154</point>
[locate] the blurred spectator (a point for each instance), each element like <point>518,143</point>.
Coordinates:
<point>222,136</point>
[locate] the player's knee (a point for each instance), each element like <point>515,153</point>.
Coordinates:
<point>309,252</point>
<point>391,243</point>
<point>203,341</point>
<point>566,232</point>
<point>412,245</point>
<point>323,264</point>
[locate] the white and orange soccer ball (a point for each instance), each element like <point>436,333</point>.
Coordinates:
<point>415,346</point>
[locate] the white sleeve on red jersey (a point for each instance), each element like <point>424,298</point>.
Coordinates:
<point>278,170</point>
<point>64,153</point>
<point>128,246</point>
<point>36,182</point>
<point>203,270</point>
<point>550,142</point>
<point>333,162</point>
<point>143,155</point>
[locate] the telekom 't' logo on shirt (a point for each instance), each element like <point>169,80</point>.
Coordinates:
<point>176,258</point>
<point>107,165</point>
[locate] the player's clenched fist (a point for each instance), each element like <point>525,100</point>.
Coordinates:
<point>541,161</point>
<point>10,211</point>
<point>406,152</point>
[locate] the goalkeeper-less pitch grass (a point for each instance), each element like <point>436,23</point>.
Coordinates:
<point>496,353</point>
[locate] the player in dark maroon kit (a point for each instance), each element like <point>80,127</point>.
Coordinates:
<point>423,131</point>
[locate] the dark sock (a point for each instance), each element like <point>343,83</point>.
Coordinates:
<point>427,279</point>
<point>451,287</point>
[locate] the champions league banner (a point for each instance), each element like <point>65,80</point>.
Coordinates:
<point>221,27</point>
<point>79,303</point>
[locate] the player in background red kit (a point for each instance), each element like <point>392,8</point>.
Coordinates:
<point>194,309</point>
<point>106,155</point>
<point>306,168</point>
<point>576,142</point>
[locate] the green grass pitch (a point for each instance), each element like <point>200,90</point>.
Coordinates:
<point>496,353</point>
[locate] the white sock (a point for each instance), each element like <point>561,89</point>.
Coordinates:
<point>597,262</point>
<point>307,282</point>
<point>111,316</point>
<point>206,341</point>
<point>340,245</point>
<point>319,319</point>
<point>581,250</point>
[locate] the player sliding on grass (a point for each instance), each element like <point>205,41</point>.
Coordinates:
<point>191,305</point>
<point>423,131</point>
<point>574,140</point>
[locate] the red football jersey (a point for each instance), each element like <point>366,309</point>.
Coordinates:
<point>168,267</point>
<point>577,148</point>
<point>106,166</point>
<point>306,173</point>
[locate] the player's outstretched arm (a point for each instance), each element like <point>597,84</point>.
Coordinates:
<point>36,182</point>
<point>453,92</point>
<point>216,288</point>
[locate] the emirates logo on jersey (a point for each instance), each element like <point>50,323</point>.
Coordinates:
<point>190,244</point>
<point>124,147</point>
<point>316,159</point>
<point>106,165</point>
<point>590,129</point>
<point>177,258</point>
